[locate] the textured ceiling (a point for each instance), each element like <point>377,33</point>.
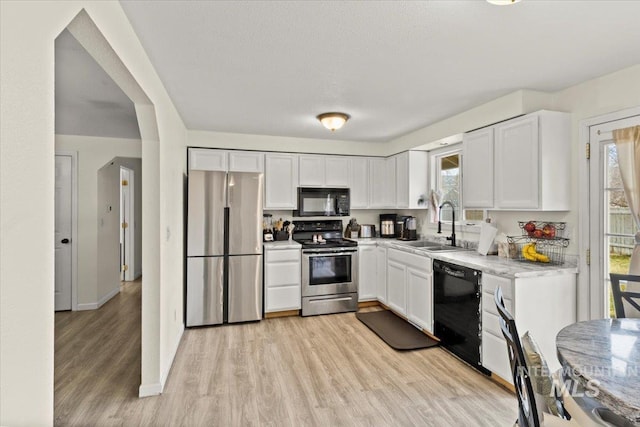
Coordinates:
<point>269,67</point>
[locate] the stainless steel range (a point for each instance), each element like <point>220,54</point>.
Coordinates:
<point>329,268</point>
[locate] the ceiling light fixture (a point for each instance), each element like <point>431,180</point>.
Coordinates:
<point>503,2</point>
<point>333,121</point>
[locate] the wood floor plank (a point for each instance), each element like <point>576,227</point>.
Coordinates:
<point>285,371</point>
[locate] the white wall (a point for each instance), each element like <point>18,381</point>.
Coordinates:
<point>108,225</point>
<point>284,144</point>
<point>93,153</point>
<point>27,33</point>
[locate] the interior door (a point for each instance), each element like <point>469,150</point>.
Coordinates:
<point>62,234</point>
<point>611,228</point>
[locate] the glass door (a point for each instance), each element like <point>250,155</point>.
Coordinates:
<point>611,227</point>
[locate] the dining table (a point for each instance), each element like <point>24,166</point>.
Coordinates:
<point>603,356</point>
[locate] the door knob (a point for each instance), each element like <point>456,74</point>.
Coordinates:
<point>65,241</point>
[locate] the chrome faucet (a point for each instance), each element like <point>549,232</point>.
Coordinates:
<point>453,222</point>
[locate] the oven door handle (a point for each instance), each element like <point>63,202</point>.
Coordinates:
<point>317,300</point>
<point>325,252</point>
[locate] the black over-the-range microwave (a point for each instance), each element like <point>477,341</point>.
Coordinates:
<point>316,201</point>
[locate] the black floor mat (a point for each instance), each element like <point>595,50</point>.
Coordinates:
<point>396,332</point>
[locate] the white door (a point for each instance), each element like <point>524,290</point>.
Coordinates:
<point>127,243</point>
<point>611,227</point>
<point>62,235</point>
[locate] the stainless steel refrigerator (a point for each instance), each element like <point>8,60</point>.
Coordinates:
<point>224,247</point>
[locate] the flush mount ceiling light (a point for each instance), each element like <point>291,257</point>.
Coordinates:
<point>503,2</point>
<point>333,121</point>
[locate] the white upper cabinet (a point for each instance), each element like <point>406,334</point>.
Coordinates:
<point>477,163</point>
<point>312,172</point>
<point>206,159</point>
<point>359,182</point>
<point>210,159</point>
<point>517,172</point>
<point>382,182</point>
<point>336,171</point>
<point>531,164</point>
<point>324,171</point>
<point>411,179</point>
<point>281,181</point>
<point>246,161</point>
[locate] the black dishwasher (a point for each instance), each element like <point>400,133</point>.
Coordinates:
<point>457,311</point>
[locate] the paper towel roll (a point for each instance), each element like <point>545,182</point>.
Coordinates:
<point>487,234</point>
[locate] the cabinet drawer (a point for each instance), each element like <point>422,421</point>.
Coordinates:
<point>282,274</point>
<point>283,298</point>
<point>495,357</point>
<point>422,263</point>
<point>491,323</point>
<point>490,283</point>
<point>282,255</point>
<point>489,304</point>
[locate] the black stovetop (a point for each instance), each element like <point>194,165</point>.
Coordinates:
<point>330,230</point>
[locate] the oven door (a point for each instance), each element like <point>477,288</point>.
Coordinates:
<point>327,272</point>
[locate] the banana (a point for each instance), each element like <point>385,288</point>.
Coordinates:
<point>529,253</point>
<point>526,252</point>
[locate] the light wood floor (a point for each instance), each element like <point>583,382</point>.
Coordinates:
<point>317,371</point>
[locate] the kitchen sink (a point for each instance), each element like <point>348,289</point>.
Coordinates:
<point>422,244</point>
<point>441,248</point>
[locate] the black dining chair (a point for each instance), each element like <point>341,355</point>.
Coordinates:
<point>619,296</point>
<point>527,408</point>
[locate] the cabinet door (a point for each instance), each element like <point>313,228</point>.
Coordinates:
<point>477,169</point>
<point>359,182</point>
<point>207,159</point>
<point>281,181</point>
<point>383,182</point>
<point>402,180</point>
<point>396,287</point>
<point>381,282</point>
<point>312,171</point>
<point>420,298</point>
<point>367,272</point>
<point>336,171</point>
<point>246,161</point>
<point>517,157</point>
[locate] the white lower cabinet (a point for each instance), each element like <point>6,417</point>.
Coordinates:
<point>367,272</point>
<point>410,287</point>
<point>381,274</point>
<point>396,286</point>
<point>281,279</point>
<point>542,305</point>
<point>420,296</point>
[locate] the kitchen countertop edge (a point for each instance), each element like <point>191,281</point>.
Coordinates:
<point>490,264</point>
<point>282,244</point>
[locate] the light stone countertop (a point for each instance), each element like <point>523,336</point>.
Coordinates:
<point>490,264</point>
<point>604,355</point>
<point>282,244</point>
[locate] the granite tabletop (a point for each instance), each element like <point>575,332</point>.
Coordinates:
<point>604,356</point>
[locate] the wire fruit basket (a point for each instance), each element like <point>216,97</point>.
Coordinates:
<point>541,241</point>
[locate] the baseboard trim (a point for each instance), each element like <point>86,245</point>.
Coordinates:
<point>108,296</point>
<point>88,306</point>
<point>167,368</point>
<point>147,390</point>
<point>365,304</point>
<point>286,313</point>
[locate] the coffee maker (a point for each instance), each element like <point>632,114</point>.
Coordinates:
<point>409,229</point>
<point>388,225</point>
